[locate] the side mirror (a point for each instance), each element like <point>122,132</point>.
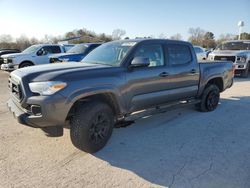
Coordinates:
<point>140,62</point>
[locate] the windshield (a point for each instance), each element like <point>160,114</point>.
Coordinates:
<point>111,53</point>
<point>198,49</point>
<point>31,49</point>
<point>234,46</point>
<point>79,49</point>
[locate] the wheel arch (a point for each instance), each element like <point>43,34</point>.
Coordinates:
<point>107,97</point>
<point>218,81</point>
<point>26,61</point>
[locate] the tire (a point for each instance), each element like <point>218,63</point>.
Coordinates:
<point>209,99</point>
<point>91,126</point>
<point>244,73</point>
<point>25,64</point>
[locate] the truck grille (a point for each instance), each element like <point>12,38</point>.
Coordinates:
<point>15,89</point>
<point>225,58</point>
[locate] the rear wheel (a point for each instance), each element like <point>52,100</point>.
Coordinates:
<point>91,126</point>
<point>210,99</point>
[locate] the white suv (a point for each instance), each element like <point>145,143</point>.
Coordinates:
<point>34,55</point>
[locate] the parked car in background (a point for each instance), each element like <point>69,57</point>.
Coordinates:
<point>7,51</point>
<point>67,47</point>
<point>34,55</point>
<point>118,81</point>
<point>200,53</point>
<point>77,53</point>
<point>237,51</point>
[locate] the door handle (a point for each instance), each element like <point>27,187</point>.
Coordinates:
<point>163,74</point>
<point>193,71</point>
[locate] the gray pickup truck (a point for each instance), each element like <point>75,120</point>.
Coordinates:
<point>116,82</point>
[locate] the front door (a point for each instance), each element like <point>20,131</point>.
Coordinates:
<point>146,85</point>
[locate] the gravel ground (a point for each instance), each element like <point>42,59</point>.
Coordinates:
<point>181,148</point>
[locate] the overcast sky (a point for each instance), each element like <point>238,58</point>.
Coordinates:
<point>137,17</point>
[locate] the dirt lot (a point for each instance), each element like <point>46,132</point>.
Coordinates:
<point>181,148</point>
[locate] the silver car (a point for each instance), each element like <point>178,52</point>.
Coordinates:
<point>200,53</point>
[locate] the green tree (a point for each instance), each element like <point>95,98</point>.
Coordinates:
<point>244,36</point>
<point>208,40</point>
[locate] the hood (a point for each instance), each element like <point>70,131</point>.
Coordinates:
<point>230,52</point>
<point>12,55</point>
<point>55,71</point>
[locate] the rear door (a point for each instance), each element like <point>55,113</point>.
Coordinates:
<point>183,71</point>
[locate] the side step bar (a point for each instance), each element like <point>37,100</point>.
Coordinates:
<point>160,109</point>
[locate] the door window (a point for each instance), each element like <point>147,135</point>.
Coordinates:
<point>153,52</point>
<point>179,54</point>
<point>52,49</point>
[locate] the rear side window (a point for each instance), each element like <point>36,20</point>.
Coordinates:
<point>52,49</point>
<point>178,54</point>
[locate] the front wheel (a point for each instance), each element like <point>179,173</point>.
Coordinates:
<point>91,126</point>
<point>209,99</point>
<point>25,64</point>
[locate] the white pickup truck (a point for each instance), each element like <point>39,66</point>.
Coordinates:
<point>34,55</point>
<point>237,51</point>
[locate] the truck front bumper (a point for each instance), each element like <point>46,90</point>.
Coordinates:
<point>42,112</point>
<point>18,113</point>
<point>7,66</point>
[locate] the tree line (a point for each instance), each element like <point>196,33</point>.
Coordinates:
<point>206,39</point>
<point>197,36</point>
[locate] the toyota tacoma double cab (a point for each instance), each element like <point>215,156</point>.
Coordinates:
<point>116,82</point>
<point>237,51</point>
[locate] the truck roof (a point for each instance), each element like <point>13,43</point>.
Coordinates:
<point>48,44</point>
<point>150,39</point>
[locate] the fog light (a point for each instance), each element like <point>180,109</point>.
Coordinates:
<point>36,110</point>
<point>240,66</point>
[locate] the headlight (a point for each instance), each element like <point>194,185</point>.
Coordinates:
<point>210,57</point>
<point>242,58</point>
<point>46,88</point>
<point>8,60</point>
